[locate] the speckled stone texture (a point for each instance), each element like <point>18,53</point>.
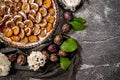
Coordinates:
<point>100,41</point>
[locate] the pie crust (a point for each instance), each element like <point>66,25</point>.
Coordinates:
<point>27,23</point>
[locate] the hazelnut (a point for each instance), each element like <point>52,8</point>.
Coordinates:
<point>63,53</point>
<point>52,48</point>
<point>66,28</point>
<point>21,59</point>
<point>54,57</point>
<point>58,39</point>
<point>68,16</point>
<point>45,52</point>
<point>12,57</point>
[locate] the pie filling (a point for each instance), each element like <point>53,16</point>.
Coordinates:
<point>26,22</point>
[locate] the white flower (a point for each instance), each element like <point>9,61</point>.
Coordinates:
<point>5,65</point>
<point>36,60</point>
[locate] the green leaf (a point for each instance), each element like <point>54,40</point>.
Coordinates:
<point>80,20</point>
<point>69,45</point>
<point>64,63</point>
<point>77,26</point>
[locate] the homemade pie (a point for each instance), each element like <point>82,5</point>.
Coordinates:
<point>26,23</point>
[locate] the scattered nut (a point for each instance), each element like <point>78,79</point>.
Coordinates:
<point>12,57</point>
<point>52,48</point>
<point>21,60</point>
<point>66,28</point>
<point>68,16</point>
<point>54,57</point>
<point>58,39</point>
<point>45,52</point>
<point>63,53</point>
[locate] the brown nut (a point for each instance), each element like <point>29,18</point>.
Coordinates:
<point>66,28</point>
<point>68,16</point>
<point>45,52</point>
<point>58,39</point>
<point>63,53</point>
<point>54,57</point>
<point>21,60</point>
<point>12,57</point>
<point>52,48</point>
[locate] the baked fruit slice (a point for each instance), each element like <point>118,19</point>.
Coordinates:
<point>25,7</point>
<point>36,29</point>
<point>31,1</point>
<point>16,30</point>
<point>32,12</point>
<point>33,38</point>
<point>34,6</point>
<point>7,17</point>
<point>43,23</point>
<point>47,3</point>
<point>15,38</point>
<point>49,27</point>
<point>8,32</point>
<point>10,23</point>
<point>50,19</point>
<point>23,14</point>
<point>31,17</point>
<point>38,17</point>
<point>20,24</point>
<point>28,23</point>
<point>43,11</point>
<point>24,40</point>
<point>22,34</point>
<point>39,2</point>
<point>42,32</point>
<point>17,5</point>
<point>28,31</point>
<point>51,11</point>
<point>17,18</point>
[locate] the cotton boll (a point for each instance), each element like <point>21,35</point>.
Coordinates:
<point>36,60</point>
<point>5,65</point>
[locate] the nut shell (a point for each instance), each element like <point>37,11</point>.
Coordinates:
<point>21,60</point>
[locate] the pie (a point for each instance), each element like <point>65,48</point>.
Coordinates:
<point>26,23</point>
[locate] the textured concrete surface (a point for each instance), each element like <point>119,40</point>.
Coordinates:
<point>100,41</point>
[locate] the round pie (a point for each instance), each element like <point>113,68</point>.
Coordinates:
<point>26,23</point>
